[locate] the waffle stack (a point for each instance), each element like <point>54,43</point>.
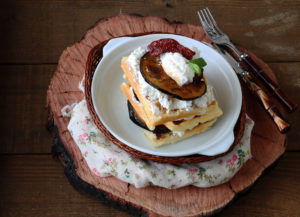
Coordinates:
<point>164,118</point>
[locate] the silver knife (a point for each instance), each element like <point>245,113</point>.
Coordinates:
<point>272,110</point>
<point>218,37</point>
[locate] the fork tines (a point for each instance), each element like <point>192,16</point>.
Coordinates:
<point>208,22</point>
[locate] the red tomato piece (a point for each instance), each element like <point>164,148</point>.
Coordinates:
<point>169,45</point>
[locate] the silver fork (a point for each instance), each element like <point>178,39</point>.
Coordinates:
<point>213,31</point>
<point>218,37</point>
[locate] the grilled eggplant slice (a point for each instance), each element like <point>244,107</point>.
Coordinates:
<point>160,129</point>
<point>154,74</point>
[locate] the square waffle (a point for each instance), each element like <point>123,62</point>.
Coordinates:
<point>181,123</point>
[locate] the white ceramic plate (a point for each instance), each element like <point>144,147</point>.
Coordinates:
<point>110,103</point>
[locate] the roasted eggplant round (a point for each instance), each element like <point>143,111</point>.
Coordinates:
<point>154,74</point>
<point>160,129</point>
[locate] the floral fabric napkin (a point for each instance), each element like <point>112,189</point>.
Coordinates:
<point>106,159</point>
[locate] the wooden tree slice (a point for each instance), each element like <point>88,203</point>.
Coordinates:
<point>267,144</point>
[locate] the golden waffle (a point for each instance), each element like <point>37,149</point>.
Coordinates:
<point>154,120</point>
<point>167,138</point>
<point>213,111</point>
<point>182,123</point>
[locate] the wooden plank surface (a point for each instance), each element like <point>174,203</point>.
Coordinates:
<point>35,185</point>
<point>41,31</point>
<point>23,106</point>
<point>34,33</point>
<point>288,75</point>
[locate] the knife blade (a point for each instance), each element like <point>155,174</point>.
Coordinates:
<point>282,125</point>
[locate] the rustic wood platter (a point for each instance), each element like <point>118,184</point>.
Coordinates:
<point>267,144</point>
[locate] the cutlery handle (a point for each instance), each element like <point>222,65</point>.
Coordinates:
<point>292,106</point>
<point>272,110</point>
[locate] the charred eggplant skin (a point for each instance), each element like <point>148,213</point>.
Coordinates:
<point>154,75</point>
<point>161,129</point>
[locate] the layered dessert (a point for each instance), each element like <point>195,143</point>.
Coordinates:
<point>168,94</point>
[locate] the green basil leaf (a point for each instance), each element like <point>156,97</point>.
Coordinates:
<point>197,64</point>
<point>200,62</point>
<point>196,68</point>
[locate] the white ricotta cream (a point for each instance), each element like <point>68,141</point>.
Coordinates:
<point>176,66</point>
<point>133,97</point>
<point>178,133</point>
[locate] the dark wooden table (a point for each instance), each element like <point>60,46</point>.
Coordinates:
<point>33,35</point>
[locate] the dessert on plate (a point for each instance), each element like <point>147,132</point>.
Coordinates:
<point>168,94</point>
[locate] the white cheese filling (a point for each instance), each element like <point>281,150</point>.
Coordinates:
<point>178,133</point>
<point>176,66</point>
<point>167,102</point>
<point>133,97</point>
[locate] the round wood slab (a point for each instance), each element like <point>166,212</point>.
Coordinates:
<point>267,144</point>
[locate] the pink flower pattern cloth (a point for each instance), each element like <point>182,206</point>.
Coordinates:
<point>106,159</point>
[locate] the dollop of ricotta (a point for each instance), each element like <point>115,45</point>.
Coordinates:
<point>176,66</point>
